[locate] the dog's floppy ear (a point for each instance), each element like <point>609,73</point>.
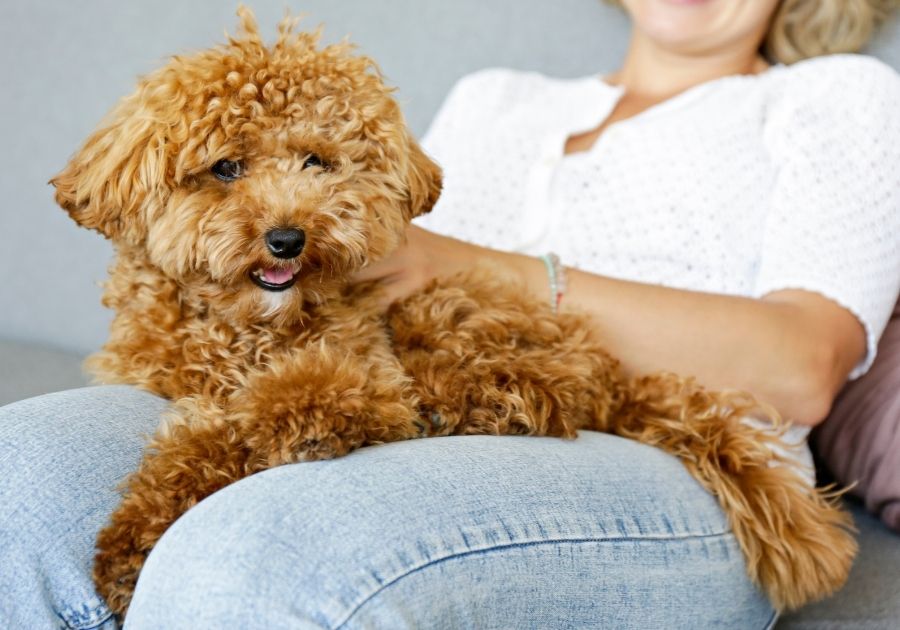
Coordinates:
<point>424,180</point>
<point>116,178</point>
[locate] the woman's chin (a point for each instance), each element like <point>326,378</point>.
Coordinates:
<point>696,26</point>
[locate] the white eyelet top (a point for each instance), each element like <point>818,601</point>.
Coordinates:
<point>743,185</point>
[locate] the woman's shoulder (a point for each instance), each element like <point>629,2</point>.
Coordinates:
<point>841,67</point>
<point>848,80</point>
<point>846,98</point>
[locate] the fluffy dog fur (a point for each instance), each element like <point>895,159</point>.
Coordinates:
<point>261,378</point>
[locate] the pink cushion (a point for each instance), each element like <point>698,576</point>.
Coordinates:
<point>860,439</point>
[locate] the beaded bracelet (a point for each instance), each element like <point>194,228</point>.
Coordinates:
<point>556,274</point>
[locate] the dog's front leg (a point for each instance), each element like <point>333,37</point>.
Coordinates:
<point>313,405</point>
<point>195,453</point>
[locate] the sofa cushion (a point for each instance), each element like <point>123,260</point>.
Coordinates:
<point>871,599</point>
<point>29,369</point>
<point>859,442</point>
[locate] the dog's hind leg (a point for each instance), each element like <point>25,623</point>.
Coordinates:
<point>486,358</point>
<point>797,542</point>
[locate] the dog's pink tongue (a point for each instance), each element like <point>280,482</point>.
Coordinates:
<point>277,276</point>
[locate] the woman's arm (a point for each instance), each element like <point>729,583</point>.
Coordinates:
<point>792,349</point>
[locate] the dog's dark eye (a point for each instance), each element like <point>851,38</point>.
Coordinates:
<point>228,170</point>
<point>314,160</point>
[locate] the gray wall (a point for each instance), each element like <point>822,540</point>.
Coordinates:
<point>67,62</point>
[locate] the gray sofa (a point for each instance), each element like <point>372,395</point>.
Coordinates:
<point>73,60</point>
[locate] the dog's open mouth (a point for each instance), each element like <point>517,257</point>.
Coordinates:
<point>275,278</point>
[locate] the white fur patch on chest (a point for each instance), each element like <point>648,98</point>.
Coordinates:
<point>274,301</point>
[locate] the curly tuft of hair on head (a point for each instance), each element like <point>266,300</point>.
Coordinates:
<point>310,139</point>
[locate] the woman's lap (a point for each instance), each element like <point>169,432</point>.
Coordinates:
<point>453,532</point>
<point>61,458</point>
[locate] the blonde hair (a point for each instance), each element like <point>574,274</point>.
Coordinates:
<point>807,28</point>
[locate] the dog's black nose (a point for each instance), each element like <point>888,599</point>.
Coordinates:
<point>285,243</point>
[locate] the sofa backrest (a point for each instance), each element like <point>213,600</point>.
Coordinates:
<point>69,62</point>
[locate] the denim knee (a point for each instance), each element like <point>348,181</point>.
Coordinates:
<point>456,532</point>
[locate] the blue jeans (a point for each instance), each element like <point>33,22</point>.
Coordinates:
<point>457,532</point>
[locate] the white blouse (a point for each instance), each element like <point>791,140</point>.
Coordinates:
<point>743,185</point>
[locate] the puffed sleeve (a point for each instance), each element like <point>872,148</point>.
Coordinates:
<point>834,224</point>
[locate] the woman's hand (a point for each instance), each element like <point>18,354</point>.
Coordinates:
<point>422,257</point>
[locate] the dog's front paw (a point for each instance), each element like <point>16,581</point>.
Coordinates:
<point>318,406</point>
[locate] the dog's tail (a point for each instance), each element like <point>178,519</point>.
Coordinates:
<point>797,542</point>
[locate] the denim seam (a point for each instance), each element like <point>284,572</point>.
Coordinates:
<point>528,543</point>
<point>99,624</point>
<point>91,624</point>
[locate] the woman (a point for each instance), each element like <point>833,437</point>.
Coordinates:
<point>710,206</point>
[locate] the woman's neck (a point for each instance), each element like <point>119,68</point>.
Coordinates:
<point>652,71</point>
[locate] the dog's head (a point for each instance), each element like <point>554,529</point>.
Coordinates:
<point>259,176</point>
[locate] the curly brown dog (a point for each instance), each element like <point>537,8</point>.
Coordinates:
<point>242,186</point>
